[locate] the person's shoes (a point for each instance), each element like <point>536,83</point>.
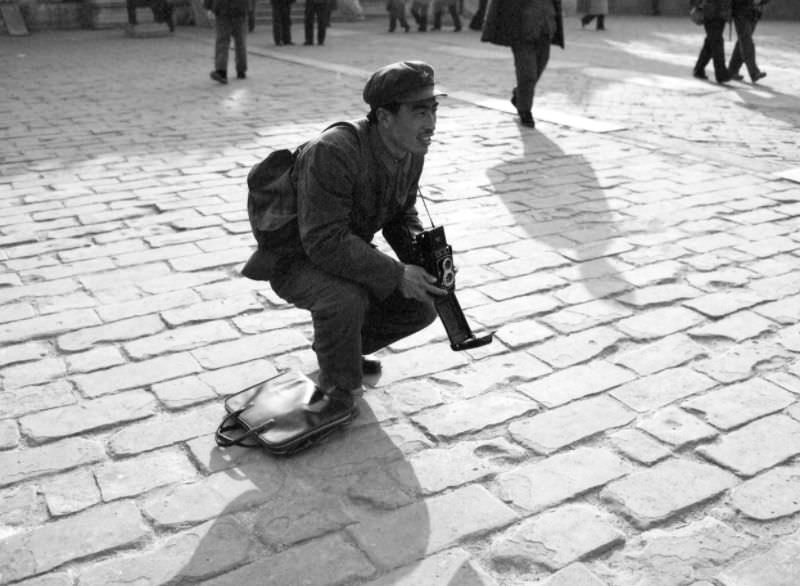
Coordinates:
<point>736,76</point>
<point>407,28</point>
<point>759,75</point>
<point>279,43</point>
<point>241,75</point>
<point>219,76</point>
<point>699,74</point>
<point>457,29</point>
<point>324,406</point>
<point>288,43</point>
<point>308,43</point>
<point>723,78</point>
<point>370,366</point>
<point>526,119</point>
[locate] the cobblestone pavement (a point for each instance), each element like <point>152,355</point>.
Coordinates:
<point>636,422</point>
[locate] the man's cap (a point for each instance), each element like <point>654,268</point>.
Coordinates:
<point>401,82</point>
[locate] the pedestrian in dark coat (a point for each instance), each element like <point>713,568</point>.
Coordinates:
<point>282,22</point>
<point>397,12</point>
<point>746,14</point>
<point>529,27</point>
<point>715,14</point>
<point>319,10</point>
<point>231,22</point>
<point>595,9</point>
<point>438,9</point>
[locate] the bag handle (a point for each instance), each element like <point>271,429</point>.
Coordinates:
<point>225,439</point>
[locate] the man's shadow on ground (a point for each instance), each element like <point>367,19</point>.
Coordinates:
<point>343,511</point>
<point>562,212</point>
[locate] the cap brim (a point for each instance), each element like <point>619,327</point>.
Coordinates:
<point>425,93</point>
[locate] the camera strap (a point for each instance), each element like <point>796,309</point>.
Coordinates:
<point>425,205</point>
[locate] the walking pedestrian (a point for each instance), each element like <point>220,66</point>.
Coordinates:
<point>419,10</point>
<point>529,27</point>
<point>595,9</point>
<point>746,14</point>
<point>230,21</point>
<point>397,12</point>
<point>452,8</point>
<point>476,23</point>
<point>715,14</point>
<point>282,22</point>
<point>319,11</point>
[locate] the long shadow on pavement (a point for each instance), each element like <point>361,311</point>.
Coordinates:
<point>341,512</point>
<point>562,215</point>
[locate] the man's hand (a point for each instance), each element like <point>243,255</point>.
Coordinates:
<point>419,284</point>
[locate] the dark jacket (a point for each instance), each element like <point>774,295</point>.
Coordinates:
<point>348,190</point>
<point>716,10</point>
<point>228,7</point>
<point>513,22</point>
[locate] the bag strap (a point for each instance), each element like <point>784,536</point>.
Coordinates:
<point>225,439</point>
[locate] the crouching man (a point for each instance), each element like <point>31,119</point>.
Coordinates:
<point>351,181</point>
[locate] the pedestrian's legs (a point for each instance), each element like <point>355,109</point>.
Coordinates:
<point>455,17</point>
<point>308,19</point>
<point>239,33</point>
<point>130,5</point>
<point>286,23</point>
<point>601,22</point>
<point>437,19</point>
<point>744,50</point>
<point>714,32</point>
<point>525,67</point>
<point>703,58</point>
<point>392,20</point>
<point>402,18</point>
<point>277,24</point>
<point>323,19</point>
<point>586,19</point>
<point>223,43</point>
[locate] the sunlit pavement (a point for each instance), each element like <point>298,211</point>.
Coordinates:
<point>635,422</point>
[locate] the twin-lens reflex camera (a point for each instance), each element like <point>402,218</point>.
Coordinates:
<point>436,257</point>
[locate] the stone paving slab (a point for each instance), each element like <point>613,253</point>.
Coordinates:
<point>636,254</point>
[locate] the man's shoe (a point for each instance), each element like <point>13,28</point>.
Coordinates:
<point>759,75</point>
<point>370,366</point>
<point>736,76</point>
<point>241,75</point>
<point>723,78</point>
<point>699,74</point>
<point>219,76</point>
<point>308,43</point>
<point>526,119</point>
<point>288,43</point>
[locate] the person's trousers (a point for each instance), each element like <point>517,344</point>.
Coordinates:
<point>745,50</point>
<point>530,61</point>
<point>420,14</point>
<point>231,27</point>
<point>713,49</point>
<point>321,13</point>
<point>397,12</point>
<point>348,321</point>
<point>601,20</point>
<point>437,18</point>
<point>281,22</point>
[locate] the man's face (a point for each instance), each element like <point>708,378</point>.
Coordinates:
<point>411,128</point>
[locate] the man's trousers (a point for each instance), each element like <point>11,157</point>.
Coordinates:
<point>348,321</point>
<point>227,27</point>
<point>530,61</point>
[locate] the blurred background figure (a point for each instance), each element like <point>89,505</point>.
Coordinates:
<point>230,18</point>
<point>529,27</point>
<point>282,22</point>
<point>452,8</point>
<point>715,14</point>
<point>351,9</point>
<point>419,10</point>
<point>746,14</point>
<point>397,12</point>
<point>595,9</point>
<point>476,23</point>
<point>319,11</point>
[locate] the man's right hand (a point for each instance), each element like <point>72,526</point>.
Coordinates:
<point>418,284</point>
